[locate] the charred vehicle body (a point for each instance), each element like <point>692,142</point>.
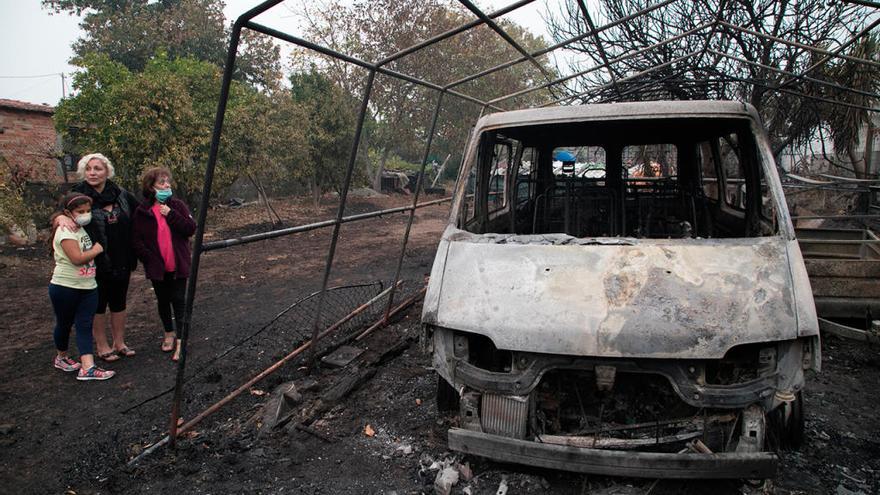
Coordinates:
<point>619,291</point>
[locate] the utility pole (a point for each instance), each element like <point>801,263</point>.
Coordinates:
<point>63,90</point>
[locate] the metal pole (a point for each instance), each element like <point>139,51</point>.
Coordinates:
<point>795,44</point>
<point>836,51</point>
<point>202,214</point>
<point>592,28</point>
<point>512,42</point>
<point>453,32</point>
<point>600,66</point>
<point>544,51</point>
<point>384,320</point>
<point>203,207</point>
<point>787,73</point>
<point>795,93</point>
<point>343,197</point>
<point>356,61</point>
<point>628,78</point>
<point>412,212</point>
<point>266,372</point>
<point>272,234</point>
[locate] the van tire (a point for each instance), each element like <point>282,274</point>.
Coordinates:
<point>788,433</point>
<point>447,397</point>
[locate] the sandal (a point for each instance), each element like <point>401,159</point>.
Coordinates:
<point>108,356</point>
<point>125,352</point>
<point>168,345</point>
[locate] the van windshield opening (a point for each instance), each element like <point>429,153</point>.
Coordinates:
<point>647,178</point>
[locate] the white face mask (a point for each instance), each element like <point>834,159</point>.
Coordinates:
<point>84,219</point>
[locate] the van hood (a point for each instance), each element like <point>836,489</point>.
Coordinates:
<point>682,299</point>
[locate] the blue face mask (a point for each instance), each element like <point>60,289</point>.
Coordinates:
<point>163,194</point>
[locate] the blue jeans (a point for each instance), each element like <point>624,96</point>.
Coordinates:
<point>73,307</point>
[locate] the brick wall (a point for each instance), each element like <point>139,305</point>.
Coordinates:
<point>28,141</point>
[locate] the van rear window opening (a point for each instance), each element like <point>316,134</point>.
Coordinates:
<point>654,179</point>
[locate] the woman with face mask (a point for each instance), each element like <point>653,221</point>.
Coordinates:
<point>161,231</point>
<point>112,208</point>
<point>73,290</point>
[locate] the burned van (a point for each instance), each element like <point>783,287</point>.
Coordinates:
<point>619,291</point>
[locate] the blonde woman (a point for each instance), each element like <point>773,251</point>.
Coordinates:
<point>112,209</point>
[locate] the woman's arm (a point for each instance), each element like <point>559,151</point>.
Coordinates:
<point>72,251</point>
<point>62,221</point>
<point>137,237</point>
<point>180,220</point>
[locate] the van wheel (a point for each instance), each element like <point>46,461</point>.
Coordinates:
<point>447,397</point>
<point>787,422</point>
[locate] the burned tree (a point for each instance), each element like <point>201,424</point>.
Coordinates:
<point>724,49</point>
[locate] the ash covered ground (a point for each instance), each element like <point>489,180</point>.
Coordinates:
<point>383,435</point>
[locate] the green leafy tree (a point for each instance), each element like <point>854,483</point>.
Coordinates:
<point>131,32</point>
<point>328,118</point>
<point>13,209</point>
<point>263,139</point>
<point>159,117</point>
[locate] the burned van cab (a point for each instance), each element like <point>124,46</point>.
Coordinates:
<point>619,291</point>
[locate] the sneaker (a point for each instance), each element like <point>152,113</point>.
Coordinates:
<point>94,373</point>
<point>66,364</point>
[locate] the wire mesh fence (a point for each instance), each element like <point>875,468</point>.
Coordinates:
<point>288,330</point>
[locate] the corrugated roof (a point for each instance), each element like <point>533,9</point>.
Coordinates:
<point>25,106</point>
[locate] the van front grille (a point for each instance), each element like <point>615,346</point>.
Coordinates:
<point>505,415</point>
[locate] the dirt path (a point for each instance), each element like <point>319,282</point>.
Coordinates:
<point>59,434</point>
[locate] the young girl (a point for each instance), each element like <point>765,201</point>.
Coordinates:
<point>161,230</point>
<point>73,290</point>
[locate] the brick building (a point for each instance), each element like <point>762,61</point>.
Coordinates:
<point>28,142</point>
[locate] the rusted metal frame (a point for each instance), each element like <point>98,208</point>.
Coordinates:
<point>592,28</point>
<point>787,73</point>
<point>598,67</point>
<point>837,50</point>
<point>721,5</point>
<point>361,63</point>
<point>628,78</point>
<point>644,86</point>
<point>714,26</point>
<point>272,234</point>
<point>412,212</point>
<point>384,320</point>
<point>373,68</point>
<point>501,32</point>
<point>343,198</point>
<point>798,94</point>
<point>562,44</point>
<point>453,32</point>
<point>202,214</point>
<point>312,344</point>
<point>266,372</point>
<point>796,44</point>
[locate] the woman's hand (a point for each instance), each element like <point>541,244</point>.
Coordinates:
<point>164,209</point>
<point>97,248</point>
<point>65,223</point>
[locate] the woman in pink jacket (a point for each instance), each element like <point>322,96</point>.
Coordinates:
<point>161,230</point>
